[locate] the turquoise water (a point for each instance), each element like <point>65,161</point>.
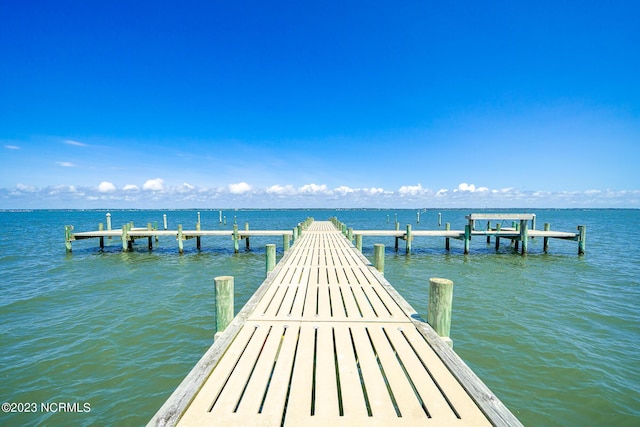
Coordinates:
<point>107,335</point>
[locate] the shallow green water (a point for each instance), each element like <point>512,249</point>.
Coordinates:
<point>555,336</point>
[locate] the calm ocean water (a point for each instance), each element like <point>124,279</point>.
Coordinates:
<point>110,335</point>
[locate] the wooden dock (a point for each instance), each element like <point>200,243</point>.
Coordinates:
<point>129,234</point>
<point>518,233</point>
<point>326,340</point>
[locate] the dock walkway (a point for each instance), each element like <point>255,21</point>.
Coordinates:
<point>326,340</point>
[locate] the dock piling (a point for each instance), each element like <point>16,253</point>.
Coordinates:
<point>408,239</point>
<point>545,240</point>
<point>180,239</point>
<point>467,238</point>
<point>359,242</point>
<point>439,308</point>
<point>224,302</point>
<point>378,257</point>
<point>582,235</point>
<point>67,236</point>
<point>285,242</point>
<point>108,221</point>
<point>447,242</point>
<point>524,235</point>
<point>271,257</point>
<point>101,228</point>
<point>164,219</point>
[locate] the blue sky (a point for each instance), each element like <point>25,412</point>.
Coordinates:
<point>289,104</point>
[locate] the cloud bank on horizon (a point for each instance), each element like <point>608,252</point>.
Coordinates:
<point>153,193</point>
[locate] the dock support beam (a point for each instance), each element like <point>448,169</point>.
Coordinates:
<point>224,302</point>
<point>582,235</point>
<point>359,242</point>
<point>378,257</point>
<point>439,308</point>
<point>271,257</point>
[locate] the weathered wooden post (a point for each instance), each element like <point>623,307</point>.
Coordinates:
<point>447,227</point>
<point>101,228</point>
<point>164,219</point>
<point>387,218</point>
<point>359,242</point>
<point>220,213</point>
<point>439,219</point>
<point>545,240</point>
<point>271,257</point>
<point>224,302</point>
<point>246,238</point>
<point>299,230</point>
<point>350,234</point>
<point>67,236</point>
<point>408,238</point>
<point>378,257</point>
<point>397,229</point>
<point>467,238</point>
<point>125,242</point>
<point>150,238</point>
<point>439,309</point>
<point>236,247</point>
<point>108,221</point>
<point>488,229</point>
<point>418,217</point>
<point>180,242</point>
<point>517,241</point>
<point>285,242</point>
<point>524,235</point>
<point>582,235</point>
<point>295,234</point>
<point>198,223</point>
<point>498,225</point>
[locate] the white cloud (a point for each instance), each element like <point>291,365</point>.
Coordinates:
<point>185,188</point>
<point>11,147</point>
<point>154,184</point>
<point>66,164</point>
<point>131,187</point>
<point>26,188</point>
<point>75,143</point>
<point>106,187</point>
<point>239,188</point>
<point>411,190</point>
<point>344,190</point>
<point>279,189</point>
<point>373,191</point>
<point>466,187</point>
<point>313,189</point>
